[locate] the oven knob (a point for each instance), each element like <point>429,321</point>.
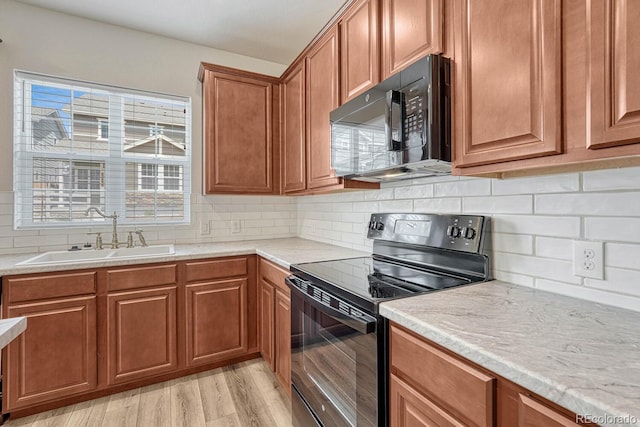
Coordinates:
<point>380,226</point>
<point>453,231</point>
<point>372,225</point>
<point>468,233</point>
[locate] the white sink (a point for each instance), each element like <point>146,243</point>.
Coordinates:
<point>142,251</point>
<point>88,255</point>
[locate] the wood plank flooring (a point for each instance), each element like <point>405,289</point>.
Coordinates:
<point>246,394</point>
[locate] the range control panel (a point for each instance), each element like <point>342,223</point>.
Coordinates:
<point>456,232</point>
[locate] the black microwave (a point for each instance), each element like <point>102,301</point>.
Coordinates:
<point>399,129</point>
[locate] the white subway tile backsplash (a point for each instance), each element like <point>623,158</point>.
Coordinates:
<point>396,206</point>
<point>589,204</point>
<point>447,205</point>
<point>516,279</point>
<point>549,247</point>
<point>617,280</point>
<point>414,192</point>
<point>537,267</point>
<point>558,226</point>
<point>613,229</point>
<point>622,255</point>
<point>513,243</point>
<point>537,184</point>
<point>382,194</point>
<point>468,187</point>
<point>498,205</point>
<point>598,296</point>
<point>612,179</point>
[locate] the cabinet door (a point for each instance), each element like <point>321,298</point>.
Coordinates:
<point>508,89</point>
<point>267,326</point>
<point>238,134</point>
<point>141,340</point>
<point>216,321</point>
<point>293,131</point>
<point>56,356</point>
<point>614,61</point>
<point>359,49</point>
<point>322,98</point>
<point>411,30</point>
<point>534,414</point>
<point>408,408</point>
<point>283,339</point>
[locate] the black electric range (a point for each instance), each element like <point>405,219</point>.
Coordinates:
<point>335,319</point>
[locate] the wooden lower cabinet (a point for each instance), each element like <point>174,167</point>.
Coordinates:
<point>430,386</point>
<point>55,357</point>
<point>275,320</point>
<point>141,334</point>
<point>92,332</point>
<point>216,320</point>
<point>283,338</point>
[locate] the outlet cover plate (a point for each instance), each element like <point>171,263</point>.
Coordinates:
<point>588,259</point>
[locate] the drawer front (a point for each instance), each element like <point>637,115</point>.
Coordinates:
<point>216,269</point>
<point>141,277</point>
<point>456,386</point>
<point>533,414</point>
<point>274,275</point>
<point>20,289</point>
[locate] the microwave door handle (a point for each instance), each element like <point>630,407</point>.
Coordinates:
<point>394,116</point>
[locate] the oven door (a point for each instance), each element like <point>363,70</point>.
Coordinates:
<point>334,359</point>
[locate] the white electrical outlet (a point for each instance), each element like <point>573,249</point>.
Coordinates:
<point>235,226</point>
<point>205,228</point>
<point>588,259</point>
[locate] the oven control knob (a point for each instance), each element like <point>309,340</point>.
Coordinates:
<point>372,225</point>
<point>453,231</point>
<point>468,233</point>
<point>379,226</point>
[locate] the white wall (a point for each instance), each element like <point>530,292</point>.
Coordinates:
<point>535,221</point>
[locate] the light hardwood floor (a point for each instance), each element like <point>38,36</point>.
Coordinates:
<point>246,394</point>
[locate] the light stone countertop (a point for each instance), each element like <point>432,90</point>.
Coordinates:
<point>581,355</point>
<point>10,328</point>
<point>281,251</point>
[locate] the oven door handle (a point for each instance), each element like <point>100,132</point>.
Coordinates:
<point>361,325</point>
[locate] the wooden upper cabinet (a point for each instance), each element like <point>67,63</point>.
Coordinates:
<point>239,131</point>
<point>359,49</point>
<point>322,98</point>
<point>411,29</point>
<point>508,81</point>
<point>293,130</point>
<point>614,61</point>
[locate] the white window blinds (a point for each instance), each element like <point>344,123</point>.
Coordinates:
<point>79,144</point>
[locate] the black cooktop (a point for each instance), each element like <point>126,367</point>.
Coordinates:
<point>372,280</point>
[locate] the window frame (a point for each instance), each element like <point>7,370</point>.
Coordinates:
<point>116,159</point>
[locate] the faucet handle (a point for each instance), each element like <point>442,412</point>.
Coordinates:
<point>143,242</point>
<point>98,239</point>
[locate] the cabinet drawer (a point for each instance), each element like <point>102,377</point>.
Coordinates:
<point>458,387</point>
<point>50,286</point>
<point>533,413</point>
<point>215,269</point>
<point>274,275</point>
<point>141,277</point>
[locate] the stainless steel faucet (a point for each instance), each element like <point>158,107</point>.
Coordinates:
<point>114,217</point>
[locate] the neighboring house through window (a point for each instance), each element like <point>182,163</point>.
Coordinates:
<point>138,165</point>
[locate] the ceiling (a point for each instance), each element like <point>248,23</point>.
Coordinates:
<point>273,30</point>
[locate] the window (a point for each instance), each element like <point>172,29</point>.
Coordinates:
<point>103,129</point>
<point>135,162</point>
